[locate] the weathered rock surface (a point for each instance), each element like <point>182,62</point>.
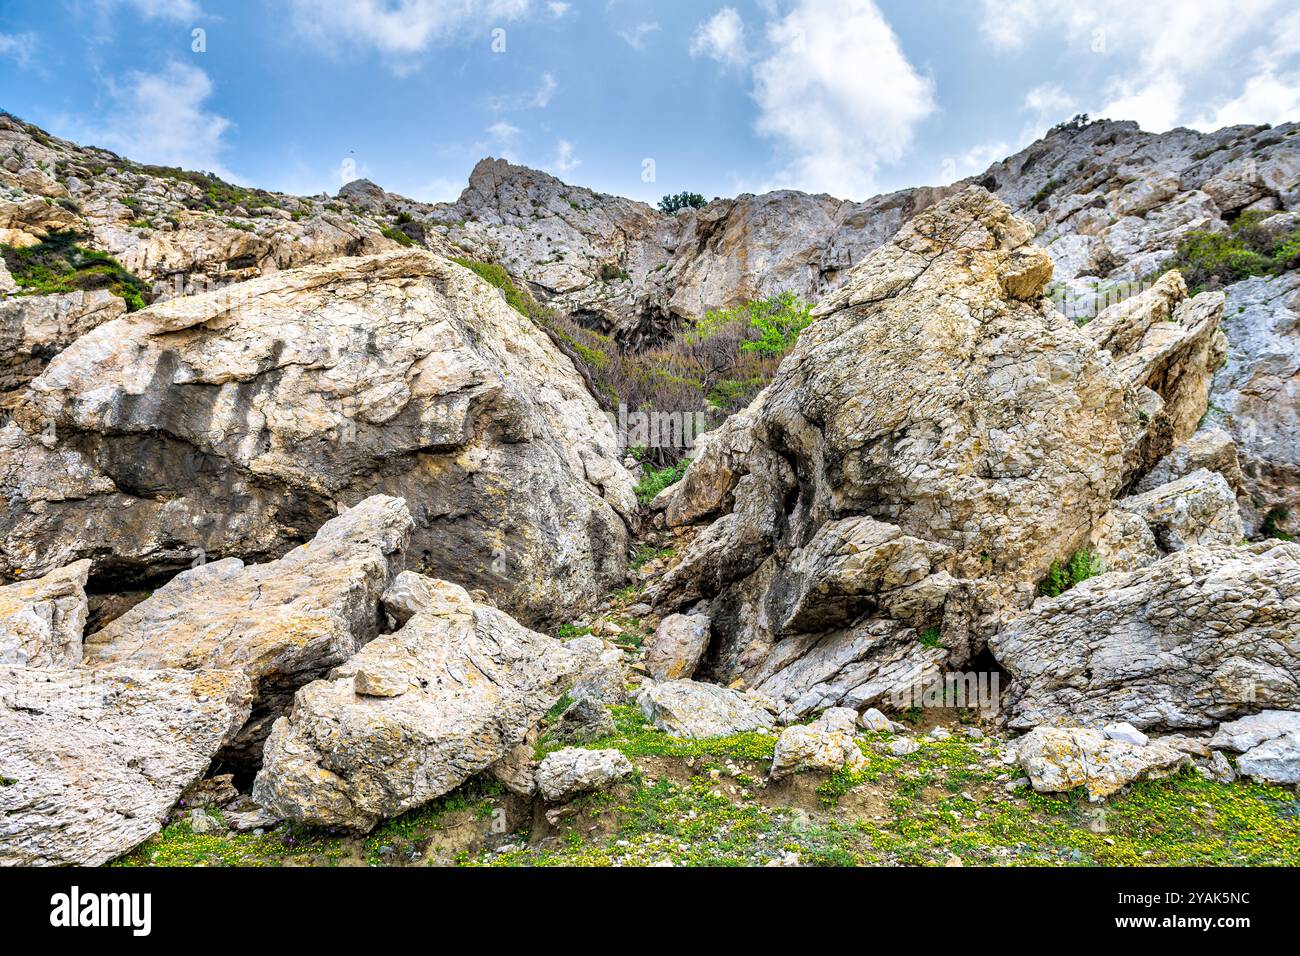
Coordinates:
<point>1167,345</point>
<point>33,329</point>
<point>236,422</point>
<point>687,708</point>
<point>41,621</point>
<point>1199,637</point>
<point>1059,759</point>
<point>679,642</point>
<point>1274,761</point>
<point>93,761</point>
<point>1200,508</point>
<point>412,715</point>
<point>566,773</point>
<point>283,624</point>
<point>1246,732</point>
<point>827,744</point>
<point>1269,744</point>
<point>935,441</point>
<point>584,720</point>
<point>1211,449</point>
<point>1256,397</point>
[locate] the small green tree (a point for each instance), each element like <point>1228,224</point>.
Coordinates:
<point>671,205</point>
<point>778,321</point>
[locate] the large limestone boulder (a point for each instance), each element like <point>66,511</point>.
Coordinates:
<point>1199,508</point>
<point>93,761</point>
<point>827,744</point>
<point>411,716</point>
<point>238,421</point>
<point>1198,637</point>
<point>1058,759</point>
<point>687,708</point>
<point>679,642</point>
<point>567,773</point>
<point>282,624</point>
<point>935,441</point>
<point>1269,744</point>
<point>41,621</point>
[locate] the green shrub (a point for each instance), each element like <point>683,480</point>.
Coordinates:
<point>672,204</point>
<point>1081,566</point>
<point>655,480</point>
<point>59,264</point>
<point>1209,260</point>
<point>612,273</point>
<point>399,237</point>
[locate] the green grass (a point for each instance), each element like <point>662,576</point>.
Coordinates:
<point>495,275</point>
<point>59,264</point>
<point>946,799</point>
<point>1061,577</point>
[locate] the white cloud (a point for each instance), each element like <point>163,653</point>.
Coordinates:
<point>981,157</point>
<point>441,189</point>
<point>565,161</point>
<point>545,90</point>
<point>166,9</point>
<point>636,37</point>
<point>503,131</point>
<point>538,99</point>
<point>721,37</point>
<point>838,96</point>
<point>400,28</point>
<point>558,9</point>
<point>1156,103</point>
<point>160,118</point>
<point>1159,54</point>
<point>20,46</point>
<point>1048,100</point>
<point>1264,99</point>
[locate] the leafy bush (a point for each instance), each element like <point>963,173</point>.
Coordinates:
<point>671,205</point>
<point>1081,566</point>
<point>59,264</point>
<point>611,273</point>
<point>399,237</point>
<point>654,480</point>
<point>1209,260</point>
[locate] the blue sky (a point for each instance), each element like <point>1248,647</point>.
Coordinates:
<point>850,97</point>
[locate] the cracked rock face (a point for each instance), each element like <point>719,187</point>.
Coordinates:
<point>931,445</point>
<point>33,329</point>
<point>93,760</point>
<point>1201,636</point>
<point>282,624</point>
<point>1256,396</point>
<point>42,621</point>
<point>235,423</point>
<point>412,715</point>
